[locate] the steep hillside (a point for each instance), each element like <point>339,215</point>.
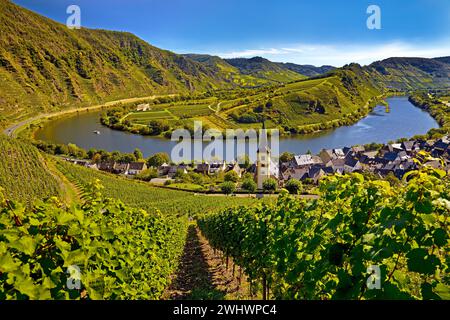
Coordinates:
<point>259,68</point>
<point>338,98</point>
<point>232,74</point>
<point>248,72</point>
<point>443,59</point>
<point>24,175</point>
<point>45,66</point>
<point>307,70</point>
<point>265,69</point>
<point>411,73</point>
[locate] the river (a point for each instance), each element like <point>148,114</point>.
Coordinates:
<point>403,120</point>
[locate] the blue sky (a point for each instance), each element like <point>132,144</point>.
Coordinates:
<point>307,32</point>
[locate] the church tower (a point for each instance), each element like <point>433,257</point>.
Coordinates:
<point>263,161</point>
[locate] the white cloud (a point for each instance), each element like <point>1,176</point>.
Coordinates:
<point>340,54</point>
<point>251,53</point>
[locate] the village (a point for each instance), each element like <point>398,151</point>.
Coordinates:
<point>393,159</point>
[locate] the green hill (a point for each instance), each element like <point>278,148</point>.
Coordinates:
<point>265,69</point>
<point>44,66</point>
<point>337,98</point>
<point>24,174</point>
<point>411,73</point>
<point>248,72</point>
<point>307,70</point>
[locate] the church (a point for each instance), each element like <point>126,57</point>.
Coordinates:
<point>265,167</point>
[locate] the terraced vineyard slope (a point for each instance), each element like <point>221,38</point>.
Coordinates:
<point>24,175</point>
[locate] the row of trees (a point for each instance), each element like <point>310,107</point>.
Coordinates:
<point>98,156</point>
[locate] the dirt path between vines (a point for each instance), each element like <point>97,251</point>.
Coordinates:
<point>203,275</point>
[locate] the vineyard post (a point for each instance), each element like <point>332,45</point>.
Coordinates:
<point>264,286</point>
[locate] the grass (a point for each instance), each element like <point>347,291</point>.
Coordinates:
<point>186,186</point>
<point>147,116</point>
<point>191,110</point>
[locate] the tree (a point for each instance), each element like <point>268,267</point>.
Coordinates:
<point>127,158</point>
<point>115,156</point>
<point>231,176</point>
<point>158,126</point>
<point>91,153</point>
<point>158,159</point>
<point>61,149</point>
<point>294,186</point>
<point>96,158</point>
<point>196,178</point>
<point>228,187</point>
<point>138,154</point>
<point>76,152</point>
<point>249,185</point>
<point>179,174</point>
<point>270,185</point>
<point>286,156</point>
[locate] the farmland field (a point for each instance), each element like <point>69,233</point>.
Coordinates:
<point>191,110</point>
<point>169,113</point>
<point>145,117</point>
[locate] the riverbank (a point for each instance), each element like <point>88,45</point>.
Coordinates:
<point>379,127</point>
<point>160,128</point>
<point>15,129</point>
<point>436,108</point>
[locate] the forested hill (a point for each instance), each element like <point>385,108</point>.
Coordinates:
<point>412,73</point>
<point>46,67</point>
<point>45,64</point>
<point>250,72</point>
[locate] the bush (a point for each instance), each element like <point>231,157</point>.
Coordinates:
<point>231,176</point>
<point>196,178</point>
<point>249,185</point>
<point>228,187</point>
<point>294,186</point>
<point>270,185</point>
<point>286,156</point>
<point>147,175</point>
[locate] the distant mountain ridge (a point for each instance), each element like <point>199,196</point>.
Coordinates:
<point>308,70</point>
<point>412,73</point>
<point>258,64</point>
<point>46,67</point>
<point>257,67</point>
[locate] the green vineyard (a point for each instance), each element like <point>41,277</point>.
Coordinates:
<point>142,195</point>
<point>109,250</point>
<point>23,172</point>
<point>328,248</point>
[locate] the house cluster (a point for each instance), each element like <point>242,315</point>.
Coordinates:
<point>165,170</point>
<point>395,158</point>
<point>132,168</point>
<point>207,168</point>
